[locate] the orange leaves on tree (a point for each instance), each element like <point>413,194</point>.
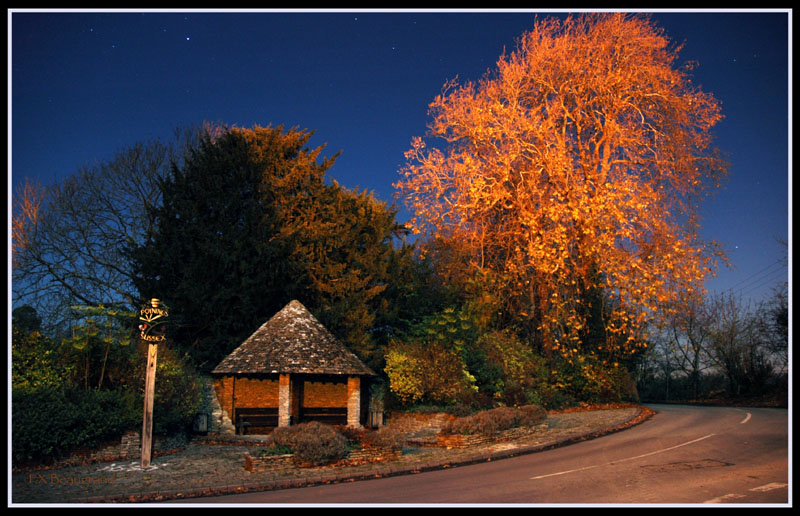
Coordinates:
<point>575,165</point>
<point>27,204</point>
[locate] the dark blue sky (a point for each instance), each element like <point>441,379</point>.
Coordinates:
<point>83,84</point>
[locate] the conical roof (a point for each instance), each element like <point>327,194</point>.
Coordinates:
<point>292,341</point>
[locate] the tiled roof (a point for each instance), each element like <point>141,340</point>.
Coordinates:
<point>293,341</point>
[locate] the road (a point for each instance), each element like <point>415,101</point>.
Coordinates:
<point>683,455</point>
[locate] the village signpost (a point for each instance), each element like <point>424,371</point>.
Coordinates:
<point>151,330</point>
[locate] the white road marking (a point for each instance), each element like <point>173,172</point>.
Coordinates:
<point>745,420</point>
<point>769,487</point>
<point>665,449</point>
<point>760,489</point>
<point>623,460</point>
<point>562,472</point>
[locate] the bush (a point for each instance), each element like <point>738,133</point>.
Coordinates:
<point>384,437</point>
<point>36,362</point>
<point>560,383</point>
<point>314,443</point>
<point>490,422</point>
<point>47,424</point>
<point>283,436</point>
<point>49,421</point>
<point>532,415</point>
<point>427,372</point>
<point>177,394</point>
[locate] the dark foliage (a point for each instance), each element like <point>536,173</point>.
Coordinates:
<point>48,423</point>
<point>249,223</point>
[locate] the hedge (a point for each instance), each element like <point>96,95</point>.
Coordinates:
<point>48,423</point>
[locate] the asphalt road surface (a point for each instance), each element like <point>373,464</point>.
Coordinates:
<point>683,455</point>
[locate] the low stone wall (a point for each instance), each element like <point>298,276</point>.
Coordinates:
<point>407,422</point>
<point>465,441</point>
<point>418,429</point>
<point>268,462</point>
<point>369,455</point>
<point>129,448</point>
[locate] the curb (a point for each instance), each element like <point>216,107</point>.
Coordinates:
<point>383,471</point>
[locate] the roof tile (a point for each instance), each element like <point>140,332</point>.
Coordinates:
<point>293,341</point>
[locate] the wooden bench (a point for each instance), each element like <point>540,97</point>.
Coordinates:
<point>329,415</point>
<point>250,419</point>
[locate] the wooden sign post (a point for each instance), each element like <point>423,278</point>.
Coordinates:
<point>149,390</point>
<point>151,331</point>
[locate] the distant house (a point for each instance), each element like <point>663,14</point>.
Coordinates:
<point>291,370</point>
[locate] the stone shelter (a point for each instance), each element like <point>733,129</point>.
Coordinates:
<point>291,370</point>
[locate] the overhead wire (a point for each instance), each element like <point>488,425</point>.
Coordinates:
<point>767,280</point>
<point>756,280</point>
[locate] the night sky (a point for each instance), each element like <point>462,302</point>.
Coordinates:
<point>84,84</point>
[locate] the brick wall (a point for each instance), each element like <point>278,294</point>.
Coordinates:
<point>252,392</point>
<point>324,394</point>
<point>248,392</point>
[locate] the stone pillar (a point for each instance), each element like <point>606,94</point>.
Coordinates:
<point>284,400</point>
<point>354,401</point>
<point>220,419</point>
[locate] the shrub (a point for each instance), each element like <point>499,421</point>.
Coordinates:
<point>427,372</point>
<point>559,383</point>
<point>177,390</point>
<point>314,443</point>
<point>516,360</point>
<point>284,435</point>
<point>47,423</point>
<point>50,421</point>
<point>36,362</point>
<point>532,415</point>
<point>352,434</point>
<point>384,437</point>
<point>490,422</point>
<point>41,421</point>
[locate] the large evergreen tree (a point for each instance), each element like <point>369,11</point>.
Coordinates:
<point>211,242</point>
<point>249,223</point>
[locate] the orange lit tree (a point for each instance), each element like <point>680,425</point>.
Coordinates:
<point>27,203</point>
<point>570,176</point>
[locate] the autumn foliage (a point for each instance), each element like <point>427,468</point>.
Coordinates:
<point>27,204</point>
<point>570,175</point>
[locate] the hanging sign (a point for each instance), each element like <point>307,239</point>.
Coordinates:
<point>153,318</point>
